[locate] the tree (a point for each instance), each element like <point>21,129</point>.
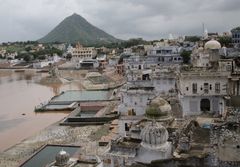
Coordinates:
<point>28,48</point>
<point>186,55</point>
<point>192,38</point>
<point>225,40</point>
<point>69,56</point>
<point>41,57</point>
<point>27,58</point>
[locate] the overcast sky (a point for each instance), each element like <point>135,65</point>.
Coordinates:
<point>150,19</point>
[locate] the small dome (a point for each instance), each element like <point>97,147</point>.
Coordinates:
<point>62,158</point>
<point>212,44</point>
<point>154,136</point>
<point>200,49</point>
<point>158,107</point>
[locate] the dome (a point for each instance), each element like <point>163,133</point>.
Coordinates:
<point>200,49</point>
<point>154,136</point>
<point>212,44</point>
<point>62,158</point>
<point>158,107</point>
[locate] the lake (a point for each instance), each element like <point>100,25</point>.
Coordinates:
<point>20,92</point>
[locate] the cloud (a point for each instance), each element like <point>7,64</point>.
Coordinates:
<point>151,19</point>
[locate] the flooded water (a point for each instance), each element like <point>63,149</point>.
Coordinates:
<point>19,94</point>
<point>47,155</point>
<point>82,96</point>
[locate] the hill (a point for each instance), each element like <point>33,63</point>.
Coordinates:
<point>75,28</point>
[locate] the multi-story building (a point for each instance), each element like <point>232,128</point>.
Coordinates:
<point>205,87</point>
<point>203,91</point>
<point>206,56</point>
<point>82,57</point>
<point>166,54</point>
<point>80,53</point>
<point>146,79</point>
<point>236,36</point>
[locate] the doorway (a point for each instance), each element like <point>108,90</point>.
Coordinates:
<point>205,105</point>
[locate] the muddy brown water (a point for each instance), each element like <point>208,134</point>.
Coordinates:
<point>20,92</point>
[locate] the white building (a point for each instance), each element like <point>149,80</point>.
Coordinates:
<point>202,91</point>
<point>166,54</point>
<point>207,56</point>
<point>127,50</point>
<point>82,57</point>
<point>42,64</point>
<point>205,87</point>
<point>135,99</point>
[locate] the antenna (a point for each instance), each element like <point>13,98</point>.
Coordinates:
<point>203,26</point>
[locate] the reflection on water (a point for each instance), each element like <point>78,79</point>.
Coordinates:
<point>47,155</point>
<point>55,88</point>
<point>6,124</point>
<point>19,94</point>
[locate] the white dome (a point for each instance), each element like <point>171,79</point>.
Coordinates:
<point>62,158</point>
<point>154,136</point>
<point>212,44</point>
<point>200,49</point>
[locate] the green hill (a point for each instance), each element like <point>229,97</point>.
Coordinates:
<point>75,28</point>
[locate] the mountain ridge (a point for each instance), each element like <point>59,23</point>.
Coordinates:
<point>74,29</point>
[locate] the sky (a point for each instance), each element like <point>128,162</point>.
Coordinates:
<point>23,20</point>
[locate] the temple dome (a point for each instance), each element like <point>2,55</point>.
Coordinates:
<point>62,158</point>
<point>212,44</point>
<point>154,136</point>
<point>158,107</point>
<point>200,49</point>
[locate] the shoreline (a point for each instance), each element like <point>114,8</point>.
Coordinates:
<point>53,134</point>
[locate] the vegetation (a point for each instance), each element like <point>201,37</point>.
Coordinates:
<point>225,41</point>
<point>192,38</point>
<point>127,44</point>
<point>186,55</point>
<point>236,29</point>
<point>75,28</point>
<point>27,56</point>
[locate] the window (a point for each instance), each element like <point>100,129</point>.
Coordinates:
<point>206,87</point>
<point>229,67</point>
<point>170,81</point>
<point>194,88</point>
<point>217,87</point>
<point>186,88</point>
